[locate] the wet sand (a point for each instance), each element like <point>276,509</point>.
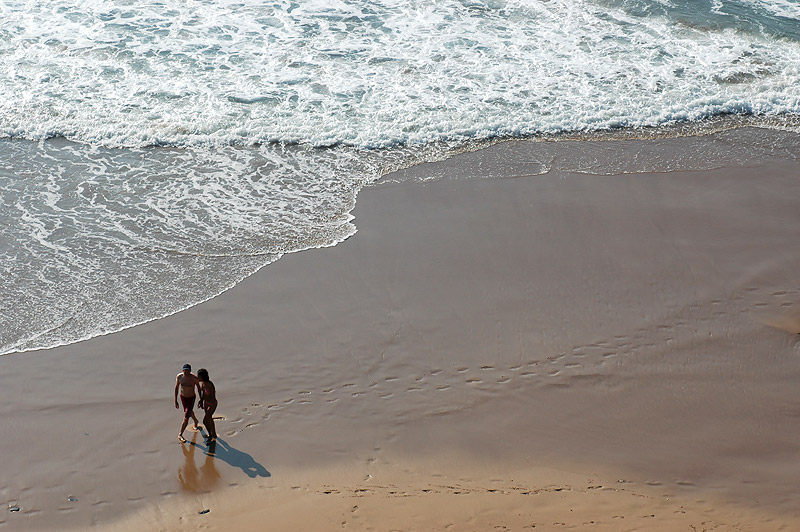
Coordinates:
<point>556,349</point>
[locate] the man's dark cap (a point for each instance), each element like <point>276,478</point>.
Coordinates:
<point>187,366</point>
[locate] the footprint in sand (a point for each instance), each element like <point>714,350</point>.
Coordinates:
<point>565,363</point>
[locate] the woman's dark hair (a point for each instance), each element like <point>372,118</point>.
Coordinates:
<point>202,374</point>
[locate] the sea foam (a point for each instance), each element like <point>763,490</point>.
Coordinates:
<point>384,73</point>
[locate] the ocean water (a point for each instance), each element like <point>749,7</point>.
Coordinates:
<point>153,154</point>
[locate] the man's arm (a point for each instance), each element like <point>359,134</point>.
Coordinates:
<point>177,386</point>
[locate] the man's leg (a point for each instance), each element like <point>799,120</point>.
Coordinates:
<point>196,426</point>
<point>183,427</point>
<point>188,404</point>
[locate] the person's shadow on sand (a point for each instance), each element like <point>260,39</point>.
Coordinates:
<point>222,450</point>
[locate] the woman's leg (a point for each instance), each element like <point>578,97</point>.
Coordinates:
<point>208,420</point>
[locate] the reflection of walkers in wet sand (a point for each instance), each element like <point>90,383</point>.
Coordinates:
<point>185,383</point>
<point>188,476</point>
<point>209,475</point>
<point>208,402</point>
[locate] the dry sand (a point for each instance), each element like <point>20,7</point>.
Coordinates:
<point>603,352</point>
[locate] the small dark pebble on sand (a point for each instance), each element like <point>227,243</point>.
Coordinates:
<point>72,499</point>
<point>201,512</point>
<point>13,508</point>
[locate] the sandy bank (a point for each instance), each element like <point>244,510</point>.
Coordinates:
<point>541,333</point>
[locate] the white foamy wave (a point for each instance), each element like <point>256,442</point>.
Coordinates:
<point>781,8</point>
<point>194,73</point>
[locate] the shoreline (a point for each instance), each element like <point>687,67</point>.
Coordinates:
<point>640,325</point>
<point>777,127</point>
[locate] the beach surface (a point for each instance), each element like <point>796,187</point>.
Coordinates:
<point>597,350</point>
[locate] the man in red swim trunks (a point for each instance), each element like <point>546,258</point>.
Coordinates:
<point>186,382</point>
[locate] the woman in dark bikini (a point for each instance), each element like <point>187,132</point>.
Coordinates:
<point>208,402</point>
